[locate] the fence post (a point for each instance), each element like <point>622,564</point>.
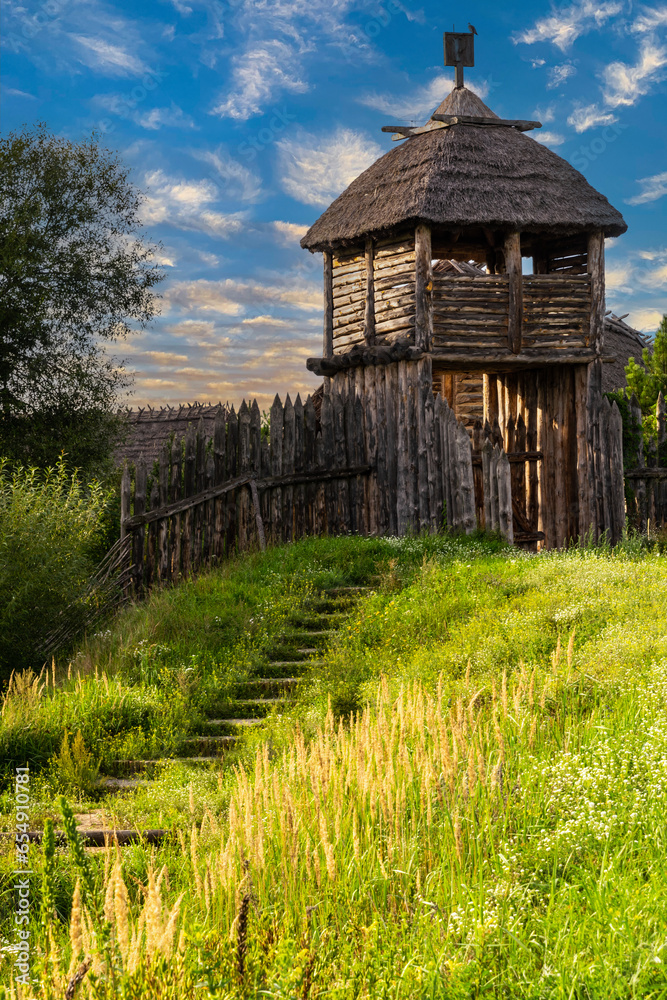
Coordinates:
<point>505,520</point>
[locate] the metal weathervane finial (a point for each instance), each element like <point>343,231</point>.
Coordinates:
<point>460,51</point>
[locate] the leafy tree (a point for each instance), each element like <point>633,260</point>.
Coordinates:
<point>648,384</point>
<point>75,272</point>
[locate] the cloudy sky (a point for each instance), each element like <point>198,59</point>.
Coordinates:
<point>243,119</point>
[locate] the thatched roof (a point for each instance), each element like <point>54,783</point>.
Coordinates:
<point>624,342</point>
<point>466,176</point>
<point>147,429</point>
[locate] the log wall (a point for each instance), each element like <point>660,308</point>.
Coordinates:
<point>349,283</point>
<point>394,289</point>
<point>646,473</point>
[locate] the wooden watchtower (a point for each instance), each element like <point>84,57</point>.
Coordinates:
<point>473,188</point>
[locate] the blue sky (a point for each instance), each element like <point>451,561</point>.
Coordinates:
<point>242,120</point>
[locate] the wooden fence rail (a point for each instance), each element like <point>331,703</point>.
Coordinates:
<point>384,456</point>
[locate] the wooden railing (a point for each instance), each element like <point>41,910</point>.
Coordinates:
<point>471,313</point>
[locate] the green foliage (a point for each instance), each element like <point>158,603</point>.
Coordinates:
<point>494,825</point>
<point>78,854</point>
<point>75,272</point>
<point>48,904</point>
<point>648,384</point>
<point>48,526</point>
<point>74,770</point>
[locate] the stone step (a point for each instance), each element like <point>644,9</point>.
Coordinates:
<point>278,669</point>
<point>293,664</point>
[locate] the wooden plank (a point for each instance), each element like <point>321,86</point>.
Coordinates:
<point>512,250</point>
<point>616,472</point>
<point>276,438</point>
<point>140,478</point>
<point>310,462</point>
<point>125,498</point>
<point>423,287</point>
<point>521,124</point>
<point>299,518</point>
<point>328,459</point>
<point>163,528</point>
<point>583,495</point>
<point>596,271</point>
<point>392,444</point>
<point>176,493</point>
<point>487,452</point>
<point>327,346</point>
<point>289,436</point>
<point>505,498</point>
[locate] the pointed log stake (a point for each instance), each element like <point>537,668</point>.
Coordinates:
<point>258,515</point>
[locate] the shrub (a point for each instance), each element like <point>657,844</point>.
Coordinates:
<point>49,523</point>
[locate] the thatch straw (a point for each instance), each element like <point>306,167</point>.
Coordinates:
<point>466,176</point>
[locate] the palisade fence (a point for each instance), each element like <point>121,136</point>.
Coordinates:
<point>646,479</point>
<point>395,463</point>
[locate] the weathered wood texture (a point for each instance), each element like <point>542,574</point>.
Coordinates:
<point>565,450</point>
<point>475,312</point>
<point>387,457</point>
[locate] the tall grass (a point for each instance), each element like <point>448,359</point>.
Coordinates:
<point>489,823</point>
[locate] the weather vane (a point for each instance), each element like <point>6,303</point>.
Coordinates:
<point>460,51</point>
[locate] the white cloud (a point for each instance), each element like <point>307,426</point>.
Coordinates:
<point>536,63</point>
<point>12,92</point>
<point>239,180</point>
<point>108,58</point>
<point>548,138</point>
<point>421,102</point>
<point>183,204</point>
<point>545,115</point>
<point>289,233</point>
<point>231,297</point>
<point>650,20</point>
<point>258,76</point>
<point>563,27</point>
<point>315,169</point>
<point>210,259</point>
<point>624,85</point>
<point>559,74</point>
<point>171,117</point>
<point>588,116</point>
<point>645,320</point>
<point>653,188</point>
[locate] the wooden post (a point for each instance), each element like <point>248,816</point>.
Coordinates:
<point>466,482</point>
<point>494,458</point>
<point>125,498</point>
<point>176,521</point>
<point>276,433</point>
<point>487,451</point>
<point>559,458</point>
<point>514,272</point>
<point>299,491</point>
<point>505,498</point>
<point>289,428</point>
<point>616,463</point>
<point>392,443</point>
<point>327,349</point>
<point>369,313</point>
<point>162,555</point>
<point>640,488</point>
<point>490,383</point>
<point>584,511</point>
<point>423,288</point>
<point>140,477</point>
<point>424,380</point>
<point>595,267</point>
<point>605,469</point>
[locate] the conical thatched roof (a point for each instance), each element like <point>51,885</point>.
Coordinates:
<point>466,176</point>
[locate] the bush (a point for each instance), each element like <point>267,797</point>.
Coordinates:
<point>49,523</point>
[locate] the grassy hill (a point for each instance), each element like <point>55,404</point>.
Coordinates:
<point>439,771</point>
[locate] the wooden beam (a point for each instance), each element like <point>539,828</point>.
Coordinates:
<point>595,267</point>
<point>512,249</point>
<point>327,349</point>
<point>517,123</point>
<point>423,288</point>
<point>369,313</point>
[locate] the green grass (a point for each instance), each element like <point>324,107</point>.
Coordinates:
<point>490,824</point>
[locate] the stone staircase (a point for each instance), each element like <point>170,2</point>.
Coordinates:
<point>295,653</point>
